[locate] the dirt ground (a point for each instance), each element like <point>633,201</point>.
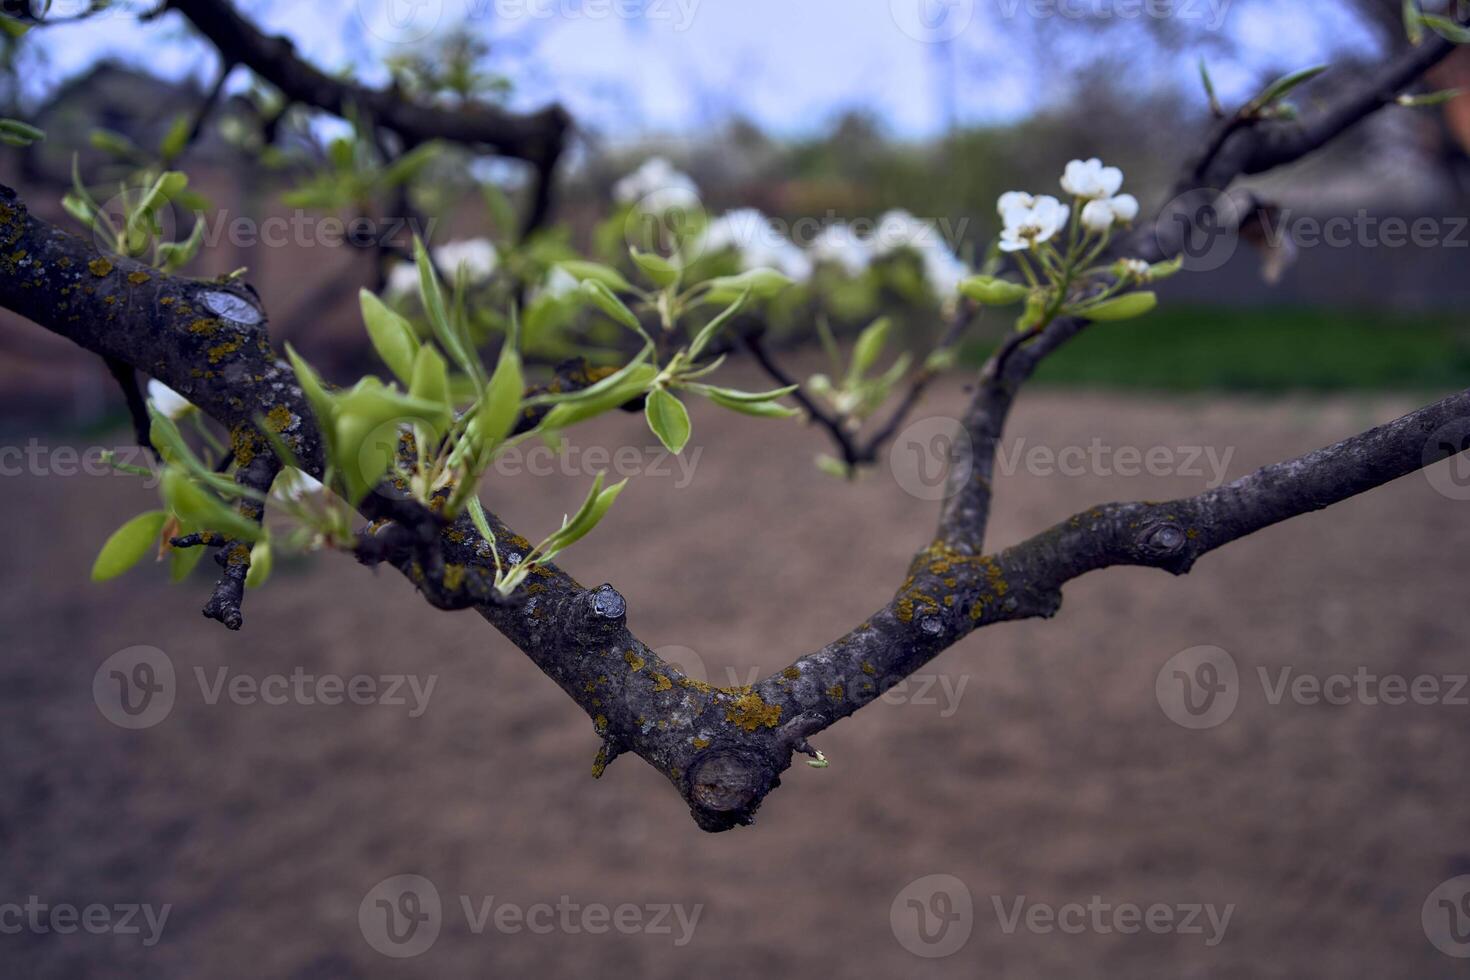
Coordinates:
<point>1036,765</point>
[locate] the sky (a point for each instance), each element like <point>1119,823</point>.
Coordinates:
<point>630,69</point>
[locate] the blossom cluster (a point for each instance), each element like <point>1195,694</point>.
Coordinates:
<point>1031,220</point>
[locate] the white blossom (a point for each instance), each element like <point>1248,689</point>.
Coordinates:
<point>1125,207</point>
<point>757,242</point>
<point>168,402</point>
<point>1089,179</point>
<point>559,283</point>
<point>657,187</point>
<point>1026,227</point>
<point>943,270</point>
<point>476,255</point>
<point>1011,200</point>
<point>843,247</point>
<point>1097,216</point>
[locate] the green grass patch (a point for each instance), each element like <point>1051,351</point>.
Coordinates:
<point>1263,350</point>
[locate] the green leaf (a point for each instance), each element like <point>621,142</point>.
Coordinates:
<point>501,404</point>
<point>456,344</point>
<point>1278,89</point>
<point>607,275</point>
<point>115,143</point>
<point>1209,84</point>
<point>761,409</point>
<point>1413,25</point>
<point>13,28</point>
<point>586,405</point>
<point>322,405</point>
<point>669,419</point>
<point>869,346</point>
<point>429,381</point>
<point>176,255</point>
<point>991,291</point>
<point>392,336</point>
<point>17,133</point>
<point>261,563</point>
<point>1446,28</point>
<point>477,518</point>
<point>659,270</point>
<point>711,329</point>
<point>1430,98</point>
<point>409,166</point>
<point>731,394</point>
<point>762,284</point>
<point>587,517</point>
<point>1120,308</point>
<point>177,138</point>
<point>194,504</point>
<point>128,545</point>
<point>602,297</point>
<point>502,213</point>
<point>1163,270</point>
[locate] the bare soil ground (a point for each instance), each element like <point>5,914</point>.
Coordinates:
<point>1036,765</point>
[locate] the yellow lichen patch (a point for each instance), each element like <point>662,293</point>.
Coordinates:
<point>835,692</point>
<point>278,418</point>
<point>453,576</point>
<point>750,711</point>
<point>703,687</point>
<point>203,327</point>
<point>138,278</point>
<point>238,554</point>
<point>456,535</point>
<point>869,669</point>
<point>701,743</point>
<point>661,683</point>
<point>100,267</point>
<point>791,673</point>
<point>166,301</point>
<point>219,352</point>
<point>634,661</point>
<point>244,444</point>
<point>600,723</point>
<point>599,764</point>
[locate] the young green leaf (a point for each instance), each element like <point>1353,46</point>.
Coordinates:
<point>731,394</point>
<point>761,409</point>
<point>869,346</point>
<point>432,295</point>
<point>712,329</point>
<point>501,404</point>
<point>1413,25</point>
<point>668,418</point>
<point>593,509</point>
<point>1209,84</point>
<point>1430,98</point>
<point>194,504</point>
<point>992,291</point>
<point>762,284</point>
<point>1124,307</point>
<point>659,270</point>
<point>1446,28</point>
<point>392,337</point>
<point>1280,88</point>
<point>322,405</point>
<point>585,405</point>
<point>128,545</point>
<point>602,297</point>
<point>607,275</point>
<point>429,381</point>
<point>261,562</point>
<point>13,132</point>
<point>176,138</point>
